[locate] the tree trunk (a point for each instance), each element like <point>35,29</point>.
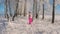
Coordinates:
<point>6,9</point>
<point>43,11</point>
<point>33,8</point>
<point>15,10</point>
<point>20,8</point>
<point>53,12</point>
<point>36,9</point>
<point>25,8</point>
<point>10,8</point>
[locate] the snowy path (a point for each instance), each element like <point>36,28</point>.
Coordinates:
<point>21,26</point>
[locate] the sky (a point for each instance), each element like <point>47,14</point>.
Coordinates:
<point>57,8</point>
<point>1,7</point>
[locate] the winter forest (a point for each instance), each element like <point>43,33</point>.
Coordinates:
<point>29,16</point>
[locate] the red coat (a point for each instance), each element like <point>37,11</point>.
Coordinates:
<point>30,19</point>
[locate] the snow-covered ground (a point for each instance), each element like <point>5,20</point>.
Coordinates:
<point>3,24</point>
<point>39,26</point>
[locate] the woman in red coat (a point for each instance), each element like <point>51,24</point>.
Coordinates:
<point>30,18</point>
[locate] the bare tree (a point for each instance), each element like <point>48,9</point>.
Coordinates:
<point>53,12</point>
<point>20,7</point>
<point>33,9</point>
<point>25,8</point>
<point>35,12</point>
<point>43,10</point>
<point>15,10</point>
<point>9,8</point>
<point>6,9</point>
<point>36,9</point>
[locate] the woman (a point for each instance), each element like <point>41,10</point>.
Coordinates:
<point>30,18</point>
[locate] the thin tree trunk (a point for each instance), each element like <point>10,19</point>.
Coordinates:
<point>10,8</point>
<point>43,11</point>
<point>33,8</point>
<point>21,8</point>
<point>53,12</point>
<point>36,10</point>
<point>25,8</point>
<point>6,10</point>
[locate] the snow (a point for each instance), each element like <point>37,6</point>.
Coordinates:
<point>39,26</point>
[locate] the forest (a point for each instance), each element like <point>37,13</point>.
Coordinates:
<point>14,14</point>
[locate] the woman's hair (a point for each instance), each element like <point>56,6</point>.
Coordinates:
<point>29,12</point>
